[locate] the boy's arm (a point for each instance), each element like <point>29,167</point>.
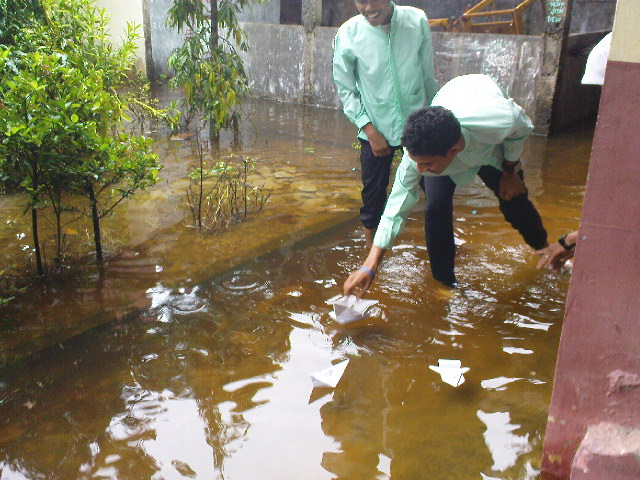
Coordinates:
<point>522,127</point>
<point>403,197</point>
<point>344,76</point>
<point>511,185</point>
<point>428,70</point>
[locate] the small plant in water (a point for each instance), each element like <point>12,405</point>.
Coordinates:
<point>220,192</point>
<point>8,288</point>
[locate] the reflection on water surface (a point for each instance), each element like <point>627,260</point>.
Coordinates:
<point>209,377</point>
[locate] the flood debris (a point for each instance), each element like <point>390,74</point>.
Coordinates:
<point>451,371</point>
<point>329,377</point>
<point>350,309</point>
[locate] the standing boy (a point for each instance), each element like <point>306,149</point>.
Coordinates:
<point>472,129</point>
<point>383,70</point>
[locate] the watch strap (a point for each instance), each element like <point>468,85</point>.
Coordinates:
<point>563,241</point>
<point>511,167</point>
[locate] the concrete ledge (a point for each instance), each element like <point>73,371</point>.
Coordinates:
<point>608,451</point>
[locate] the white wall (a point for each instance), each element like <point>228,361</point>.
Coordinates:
<point>625,44</point>
<point>120,13</point>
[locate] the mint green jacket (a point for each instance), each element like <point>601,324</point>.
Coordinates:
<point>382,77</point>
<point>494,128</point>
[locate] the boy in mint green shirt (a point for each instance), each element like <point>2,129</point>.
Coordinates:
<point>472,128</point>
<point>383,70</point>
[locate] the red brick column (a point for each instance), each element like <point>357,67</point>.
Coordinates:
<point>597,381</point>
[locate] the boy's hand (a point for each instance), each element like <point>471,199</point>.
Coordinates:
<point>554,256</point>
<point>511,185</point>
<point>378,143</point>
<point>359,282</point>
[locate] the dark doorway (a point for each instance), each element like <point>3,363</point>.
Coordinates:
<point>290,12</point>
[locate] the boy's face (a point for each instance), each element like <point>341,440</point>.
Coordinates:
<point>377,12</point>
<point>433,163</point>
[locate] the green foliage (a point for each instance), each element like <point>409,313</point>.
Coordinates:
<point>208,67</point>
<point>16,15</point>
<point>116,169</point>
<point>64,99</point>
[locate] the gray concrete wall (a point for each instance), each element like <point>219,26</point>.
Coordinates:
<point>276,62</point>
<point>163,39</point>
<point>592,15</point>
<point>514,61</point>
<point>267,12</point>
<point>288,64</point>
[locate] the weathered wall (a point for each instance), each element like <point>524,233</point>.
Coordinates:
<point>279,56</point>
<point>514,61</point>
<point>592,15</point>
<point>597,380</point>
<point>276,62</point>
<point>163,39</point>
<point>267,12</point>
<point>292,64</point>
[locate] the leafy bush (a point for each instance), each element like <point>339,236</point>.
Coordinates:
<point>64,98</point>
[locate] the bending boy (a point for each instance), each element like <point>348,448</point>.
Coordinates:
<point>383,70</point>
<point>472,129</point>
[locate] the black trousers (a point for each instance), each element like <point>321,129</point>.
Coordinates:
<point>438,217</point>
<point>375,172</point>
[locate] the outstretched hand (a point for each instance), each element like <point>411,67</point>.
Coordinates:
<point>357,284</point>
<point>553,256</point>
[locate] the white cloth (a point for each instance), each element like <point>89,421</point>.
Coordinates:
<point>597,62</point>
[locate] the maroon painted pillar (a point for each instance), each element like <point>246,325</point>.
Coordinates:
<point>595,406</point>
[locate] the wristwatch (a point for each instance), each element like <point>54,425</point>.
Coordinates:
<point>511,167</point>
<point>562,241</point>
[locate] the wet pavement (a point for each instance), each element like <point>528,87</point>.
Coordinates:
<point>189,355</point>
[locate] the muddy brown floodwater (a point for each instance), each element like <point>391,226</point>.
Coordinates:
<point>189,355</point>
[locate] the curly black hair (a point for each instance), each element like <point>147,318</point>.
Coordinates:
<point>431,131</point>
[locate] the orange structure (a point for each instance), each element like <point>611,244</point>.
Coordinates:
<point>485,18</point>
<point>442,23</point>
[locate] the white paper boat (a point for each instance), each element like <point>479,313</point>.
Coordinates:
<point>329,377</point>
<point>459,241</point>
<point>349,309</point>
<point>451,371</point>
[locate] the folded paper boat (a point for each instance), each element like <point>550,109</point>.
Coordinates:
<point>329,377</point>
<point>451,371</point>
<point>349,309</point>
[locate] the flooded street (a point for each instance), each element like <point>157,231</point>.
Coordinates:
<point>189,355</point>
